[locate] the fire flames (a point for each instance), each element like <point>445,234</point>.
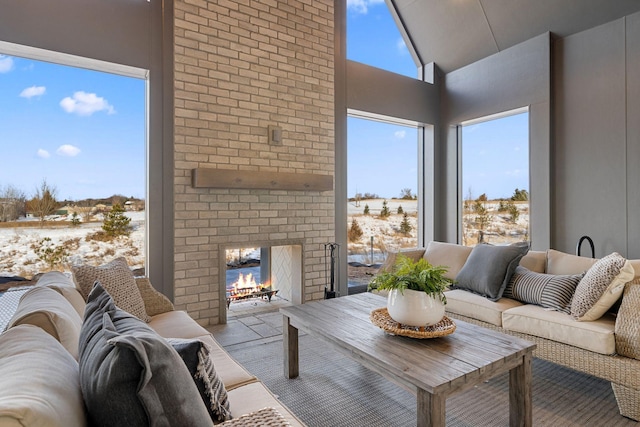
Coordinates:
<point>246,285</point>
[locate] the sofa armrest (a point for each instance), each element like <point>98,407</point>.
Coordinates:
<point>414,254</point>
<point>627,328</point>
<point>154,302</point>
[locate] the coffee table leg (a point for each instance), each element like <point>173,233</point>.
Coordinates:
<point>431,409</point>
<point>520,406</point>
<point>290,343</point>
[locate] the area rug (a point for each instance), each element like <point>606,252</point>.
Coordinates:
<point>9,303</point>
<point>333,390</point>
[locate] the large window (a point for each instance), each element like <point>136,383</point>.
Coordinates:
<point>495,179</point>
<point>382,179</point>
<point>73,181</point>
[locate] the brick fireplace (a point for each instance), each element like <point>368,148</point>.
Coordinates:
<point>239,73</point>
<point>280,270</point>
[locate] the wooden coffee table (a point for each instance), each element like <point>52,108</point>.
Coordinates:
<point>432,368</point>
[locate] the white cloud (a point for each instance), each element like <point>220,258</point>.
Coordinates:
<point>402,46</point>
<point>514,172</point>
<point>400,134</point>
<point>6,64</point>
<point>362,6</point>
<point>32,91</point>
<point>43,154</point>
<point>67,150</point>
<point>85,104</point>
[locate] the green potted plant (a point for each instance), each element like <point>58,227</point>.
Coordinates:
<point>416,291</point>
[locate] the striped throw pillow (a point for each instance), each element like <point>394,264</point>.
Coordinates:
<point>197,356</point>
<point>547,290</point>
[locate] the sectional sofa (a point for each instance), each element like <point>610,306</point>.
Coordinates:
<point>70,357</point>
<point>543,288</point>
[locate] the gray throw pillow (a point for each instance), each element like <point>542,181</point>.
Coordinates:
<point>129,375</point>
<point>197,357</point>
<point>488,269</point>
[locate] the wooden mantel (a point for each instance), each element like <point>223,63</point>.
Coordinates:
<point>224,178</point>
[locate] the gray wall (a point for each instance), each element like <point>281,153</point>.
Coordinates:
<point>115,31</point>
<point>597,133</point>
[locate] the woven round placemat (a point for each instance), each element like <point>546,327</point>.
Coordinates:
<point>380,317</point>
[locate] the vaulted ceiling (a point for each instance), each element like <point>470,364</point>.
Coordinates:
<point>454,33</point>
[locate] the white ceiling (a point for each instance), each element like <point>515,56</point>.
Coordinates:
<point>455,33</point>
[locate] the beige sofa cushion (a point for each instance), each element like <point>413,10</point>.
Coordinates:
<point>535,261</point>
<point>563,263</point>
<point>40,385</point>
<point>597,336</point>
<point>448,254</point>
<point>635,263</point>
<point>478,307</point>
<point>255,396</point>
<point>178,324</point>
<point>47,309</point>
<point>63,284</point>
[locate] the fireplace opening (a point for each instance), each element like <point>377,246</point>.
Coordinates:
<point>263,278</point>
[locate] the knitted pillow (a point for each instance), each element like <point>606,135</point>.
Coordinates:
<point>547,290</point>
<point>601,287</point>
<point>117,279</point>
<point>196,355</point>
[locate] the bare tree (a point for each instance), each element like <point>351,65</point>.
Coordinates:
<point>85,209</point>
<point>44,202</point>
<point>12,203</point>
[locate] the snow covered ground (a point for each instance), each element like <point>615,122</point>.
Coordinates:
<point>18,256</point>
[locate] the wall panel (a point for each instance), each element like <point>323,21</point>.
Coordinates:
<point>590,145</point>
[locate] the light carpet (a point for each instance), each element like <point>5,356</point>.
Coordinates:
<point>333,390</point>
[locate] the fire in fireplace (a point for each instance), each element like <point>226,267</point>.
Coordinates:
<point>246,287</point>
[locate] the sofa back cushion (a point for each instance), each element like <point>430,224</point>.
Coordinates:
<point>64,285</point>
<point>47,309</point>
<point>40,385</point>
<point>129,375</point>
<point>563,263</point>
<point>535,261</point>
<point>451,255</point>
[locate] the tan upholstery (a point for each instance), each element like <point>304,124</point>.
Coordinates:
<point>448,254</point>
<point>63,284</point>
<point>50,311</point>
<point>563,263</point>
<point>597,336</point>
<point>535,261</point>
<point>176,324</point>
<point>40,385</point>
<point>469,304</point>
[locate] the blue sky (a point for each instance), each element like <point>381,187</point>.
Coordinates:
<point>81,131</point>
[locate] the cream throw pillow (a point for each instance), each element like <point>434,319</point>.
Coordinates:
<point>117,279</point>
<point>601,287</point>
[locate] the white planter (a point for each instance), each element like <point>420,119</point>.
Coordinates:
<point>414,308</point>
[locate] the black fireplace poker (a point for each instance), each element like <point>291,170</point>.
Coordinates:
<point>330,259</point>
